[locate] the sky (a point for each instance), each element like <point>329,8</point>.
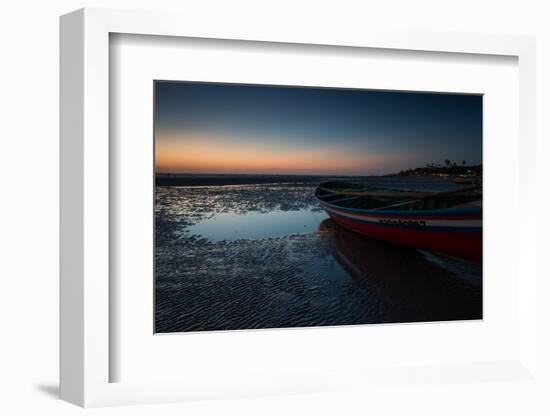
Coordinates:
<point>235,128</point>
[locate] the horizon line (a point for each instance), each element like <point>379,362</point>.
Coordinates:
<point>271,174</point>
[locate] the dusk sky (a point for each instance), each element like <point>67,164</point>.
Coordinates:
<point>231,128</point>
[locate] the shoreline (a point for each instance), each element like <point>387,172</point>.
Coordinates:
<point>264,179</point>
<point>241,179</point>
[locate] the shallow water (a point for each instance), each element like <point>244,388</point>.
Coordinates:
<point>257,225</point>
<point>266,256</point>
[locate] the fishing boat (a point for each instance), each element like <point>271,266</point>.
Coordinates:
<point>445,222</point>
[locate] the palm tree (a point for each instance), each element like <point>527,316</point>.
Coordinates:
<point>447,162</point>
<point>463,163</point>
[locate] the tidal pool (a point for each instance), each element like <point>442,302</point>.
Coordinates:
<point>257,225</point>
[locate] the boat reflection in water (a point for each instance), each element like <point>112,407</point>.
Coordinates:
<point>402,284</point>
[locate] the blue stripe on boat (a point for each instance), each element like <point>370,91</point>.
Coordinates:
<point>407,213</point>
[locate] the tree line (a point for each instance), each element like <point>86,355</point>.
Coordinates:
<point>447,168</point>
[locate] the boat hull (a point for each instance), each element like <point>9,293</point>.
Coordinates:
<point>453,232</point>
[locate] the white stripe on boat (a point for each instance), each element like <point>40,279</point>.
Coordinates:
<point>428,222</point>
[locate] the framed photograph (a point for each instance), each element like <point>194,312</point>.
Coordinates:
<point>270,211</point>
<point>274,206</point>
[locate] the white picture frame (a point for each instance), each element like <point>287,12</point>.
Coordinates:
<point>85,210</point>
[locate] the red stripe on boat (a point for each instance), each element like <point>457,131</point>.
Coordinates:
<point>467,245</point>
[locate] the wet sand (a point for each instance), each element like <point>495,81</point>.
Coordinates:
<point>320,274</point>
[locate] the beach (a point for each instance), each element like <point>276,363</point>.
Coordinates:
<point>257,251</point>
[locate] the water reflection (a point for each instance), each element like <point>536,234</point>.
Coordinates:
<point>411,284</point>
<point>257,225</point>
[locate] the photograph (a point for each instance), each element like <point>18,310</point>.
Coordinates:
<point>291,206</point>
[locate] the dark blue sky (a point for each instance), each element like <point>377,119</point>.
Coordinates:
<point>201,127</point>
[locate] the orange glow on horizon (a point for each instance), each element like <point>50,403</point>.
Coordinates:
<point>207,154</point>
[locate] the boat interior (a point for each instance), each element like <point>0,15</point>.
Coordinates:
<point>369,198</point>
